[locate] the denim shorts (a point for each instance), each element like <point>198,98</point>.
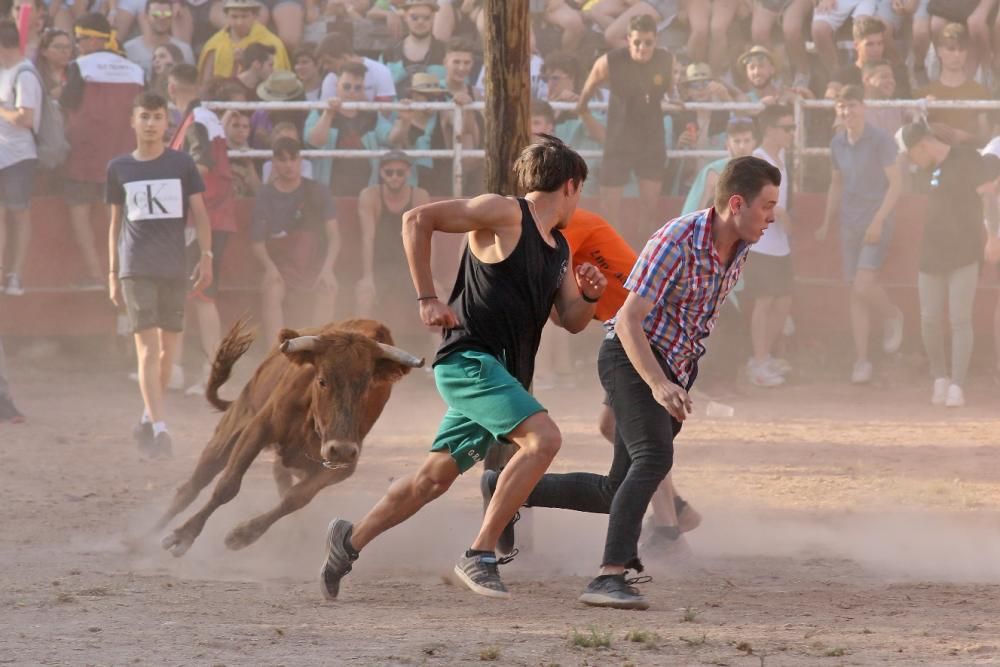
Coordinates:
<point>15,185</point>
<point>856,254</point>
<point>485,404</point>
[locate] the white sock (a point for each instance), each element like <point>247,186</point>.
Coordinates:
<point>146,419</point>
<point>159,427</point>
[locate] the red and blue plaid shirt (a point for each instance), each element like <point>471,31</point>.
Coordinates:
<point>680,270</point>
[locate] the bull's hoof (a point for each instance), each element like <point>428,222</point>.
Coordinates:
<point>176,544</point>
<point>241,537</point>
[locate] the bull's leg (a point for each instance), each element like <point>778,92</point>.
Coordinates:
<point>212,461</point>
<point>297,497</point>
<point>251,441</point>
<point>282,477</point>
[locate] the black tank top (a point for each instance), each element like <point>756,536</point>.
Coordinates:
<point>502,307</point>
<point>389,258</point>
<point>635,117</point>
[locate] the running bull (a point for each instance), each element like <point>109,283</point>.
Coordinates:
<point>313,399</point>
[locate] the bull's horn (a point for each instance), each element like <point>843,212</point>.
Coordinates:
<point>401,356</point>
<point>300,344</point>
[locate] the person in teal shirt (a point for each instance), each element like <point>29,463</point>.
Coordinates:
<point>740,142</point>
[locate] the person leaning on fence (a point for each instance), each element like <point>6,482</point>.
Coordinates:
<point>296,239</point>
<point>740,142</point>
<point>865,185</point>
<point>951,251</point>
<point>765,87</point>
<point>869,35</point>
<point>20,116</point>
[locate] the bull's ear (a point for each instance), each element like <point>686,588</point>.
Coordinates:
<point>287,334</point>
<point>387,370</point>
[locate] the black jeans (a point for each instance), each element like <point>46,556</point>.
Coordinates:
<point>643,455</point>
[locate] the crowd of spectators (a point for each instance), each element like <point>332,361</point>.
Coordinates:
<point>85,61</point>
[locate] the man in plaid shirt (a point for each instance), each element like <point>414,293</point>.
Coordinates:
<point>649,359</point>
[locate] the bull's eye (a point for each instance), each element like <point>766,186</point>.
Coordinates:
<point>322,382</point>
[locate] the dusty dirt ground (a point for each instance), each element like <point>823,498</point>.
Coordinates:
<point>841,527</point>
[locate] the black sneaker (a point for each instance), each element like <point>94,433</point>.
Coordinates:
<point>482,574</point>
<point>615,591</point>
<point>162,447</point>
<point>487,485</point>
<point>338,558</point>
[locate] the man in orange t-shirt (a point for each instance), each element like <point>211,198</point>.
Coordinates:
<point>593,240</point>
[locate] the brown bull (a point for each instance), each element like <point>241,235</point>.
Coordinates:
<point>314,399</point>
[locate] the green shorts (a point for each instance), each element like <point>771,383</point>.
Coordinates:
<point>485,403</point>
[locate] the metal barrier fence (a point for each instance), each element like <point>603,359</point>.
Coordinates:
<point>459,154</point>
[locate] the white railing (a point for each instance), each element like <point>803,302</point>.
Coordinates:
<point>458,153</point>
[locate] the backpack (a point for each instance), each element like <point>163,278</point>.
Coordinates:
<point>50,140</point>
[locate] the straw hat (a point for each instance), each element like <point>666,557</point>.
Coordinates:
<point>428,84</point>
<point>432,4</point>
<point>281,86</point>
<point>697,72</point>
<point>755,51</point>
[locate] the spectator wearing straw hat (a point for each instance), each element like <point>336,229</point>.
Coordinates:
<point>219,55</point>
<point>280,86</point>
<point>703,128</point>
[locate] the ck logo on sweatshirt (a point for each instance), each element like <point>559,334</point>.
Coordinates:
<point>154,200</point>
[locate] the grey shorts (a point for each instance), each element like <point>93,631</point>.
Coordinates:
<point>16,182</point>
<point>155,303</point>
<point>856,254</point>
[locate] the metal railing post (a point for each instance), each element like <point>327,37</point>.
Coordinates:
<point>798,157</point>
<point>456,160</point>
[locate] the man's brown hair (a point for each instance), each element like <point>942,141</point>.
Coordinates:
<point>867,25</point>
<point>184,74</point>
<point>286,147</point>
<point>546,165</point>
<point>746,177</point>
<point>851,93</point>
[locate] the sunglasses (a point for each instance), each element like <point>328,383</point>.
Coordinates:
<point>161,13</point>
<point>394,173</point>
<point>638,43</point>
<point>354,87</point>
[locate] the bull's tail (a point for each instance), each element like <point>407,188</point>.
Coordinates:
<point>232,347</point>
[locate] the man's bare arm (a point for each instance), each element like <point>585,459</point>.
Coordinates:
<point>598,75</point>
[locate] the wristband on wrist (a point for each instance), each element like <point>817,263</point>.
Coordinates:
<point>426,298</point>
<point>588,299</point>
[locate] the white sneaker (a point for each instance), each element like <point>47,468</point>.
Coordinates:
<point>195,390</point>
<point>761,375</point>
<point>892,334</point>
<point>13,286</point>
<point>940,391</point>
<point>779,366</point>
<point>955,398</point>
<point>862,372</point>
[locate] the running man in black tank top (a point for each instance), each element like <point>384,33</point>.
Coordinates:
<point>513,275</point>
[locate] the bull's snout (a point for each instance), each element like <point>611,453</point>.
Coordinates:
<point>340,451</point>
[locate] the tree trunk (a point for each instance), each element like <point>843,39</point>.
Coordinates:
<point>508,114</point>
<point>508,90</point>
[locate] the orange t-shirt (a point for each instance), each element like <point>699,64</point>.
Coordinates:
<point>592,239</point>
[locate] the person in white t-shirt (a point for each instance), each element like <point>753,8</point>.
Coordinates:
<point>334,51</point>
<point>20,114</point>
<point>769,271</point>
